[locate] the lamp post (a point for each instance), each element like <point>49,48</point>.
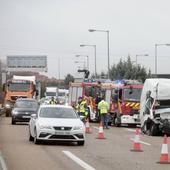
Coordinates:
<point>86,45</point>
<point>140,55</point>
<point>87,59</point>
<point>108,50</point>
<point>156,45</point>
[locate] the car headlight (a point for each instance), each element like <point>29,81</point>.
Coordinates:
<point>78,128</point>
<point>7,105</point>
<point>14,112</point>
<point>45,127</point>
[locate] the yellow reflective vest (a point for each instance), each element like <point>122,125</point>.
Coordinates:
<point>103,107</point>
<point>82,108</point>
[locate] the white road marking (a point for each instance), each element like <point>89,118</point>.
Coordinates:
<point>142,142</point>
<point>78,161</point>
<point>2,162</point>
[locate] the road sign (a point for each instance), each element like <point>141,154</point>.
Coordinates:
<point>27,63</point>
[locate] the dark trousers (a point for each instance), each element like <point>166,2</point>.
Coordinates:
<point>104,119</point>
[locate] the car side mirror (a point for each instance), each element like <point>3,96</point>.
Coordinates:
<point>34,116</point>
<point>82,117</point>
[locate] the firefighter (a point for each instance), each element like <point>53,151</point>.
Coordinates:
<point>53,101</point>
<point>103,106</point>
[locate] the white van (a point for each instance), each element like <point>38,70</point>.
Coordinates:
<point>155,106</point>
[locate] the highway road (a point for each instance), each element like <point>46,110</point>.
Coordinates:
<point>112,153</point>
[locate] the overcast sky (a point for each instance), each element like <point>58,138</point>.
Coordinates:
<point>56,28</point>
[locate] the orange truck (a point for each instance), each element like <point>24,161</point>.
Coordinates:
<point>124,103</point>
<point>18,87</point>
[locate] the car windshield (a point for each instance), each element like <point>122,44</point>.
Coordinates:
<point>132,94</point>
<point>57,112</point>
<point>50,93</point>
<point>19,87</point>
<point>26,104</point>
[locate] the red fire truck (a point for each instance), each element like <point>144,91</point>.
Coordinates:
<point>87,90</point>
<point>124,102</point>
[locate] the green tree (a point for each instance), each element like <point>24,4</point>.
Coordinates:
<point>129,70</point>
<point>69,78</point>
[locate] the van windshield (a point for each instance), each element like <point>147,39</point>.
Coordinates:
<point>132,94</point>
<point>161,104</point>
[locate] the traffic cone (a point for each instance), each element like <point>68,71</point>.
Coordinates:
<point>101,132</point>
<point>136,142</point>
<point>164,152</point>
<point>87,125</point>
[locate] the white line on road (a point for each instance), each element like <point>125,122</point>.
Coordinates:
<point>95,127</point>
<point>2,162</point>
<point>78,161</point>
<point>142,142</point>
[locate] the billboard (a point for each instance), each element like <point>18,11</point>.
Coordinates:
<point>27,63</point>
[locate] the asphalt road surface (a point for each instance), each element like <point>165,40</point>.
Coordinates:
<point>112,153</point>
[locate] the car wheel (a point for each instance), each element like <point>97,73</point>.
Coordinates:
<point>30,137</point>
<point>13,122</point>
<point>80,143</point>
<point>36,141</point>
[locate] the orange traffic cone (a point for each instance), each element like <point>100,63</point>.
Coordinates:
<point>164,152</point>
<point>101,132</point>
<point>136,142</point>
<point>88,129</point>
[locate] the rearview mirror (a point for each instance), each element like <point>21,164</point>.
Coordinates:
<point>34,116</point>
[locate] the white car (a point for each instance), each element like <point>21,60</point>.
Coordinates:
<point>56,122</point>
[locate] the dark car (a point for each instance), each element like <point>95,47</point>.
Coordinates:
<point>23,108</point>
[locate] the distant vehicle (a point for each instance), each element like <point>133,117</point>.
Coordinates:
<point>51,92</point>
<point>155,107</point>
<point>62,96</point>
<point>23,108</point>
<point>18,87</point>
<point>56,122</point>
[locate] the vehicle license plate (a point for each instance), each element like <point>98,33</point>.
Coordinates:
<point>26,116</point>
<point>62,133</point>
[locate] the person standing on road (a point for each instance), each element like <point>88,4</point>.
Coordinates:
<point>53,101</point>
<point>81,106</point>
<point>103,106</point>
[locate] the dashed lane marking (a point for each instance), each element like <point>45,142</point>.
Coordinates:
<point>2,163</point>
<point>145,143</point>
<point>78,161</point>
<point>129,130</point>
<point>95,127</point>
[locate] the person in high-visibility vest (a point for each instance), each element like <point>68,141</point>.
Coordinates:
<point>81,107</point>
<point>53,101</point>
<point>103,106</point>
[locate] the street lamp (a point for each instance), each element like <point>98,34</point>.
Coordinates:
<point>87,59</point>
<point>156,45</point>
<point>84,45</point>
<point>140,55</point>
<point>108,53</point>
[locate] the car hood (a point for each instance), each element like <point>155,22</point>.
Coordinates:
<point>60,122</point>
<point>162,111</point>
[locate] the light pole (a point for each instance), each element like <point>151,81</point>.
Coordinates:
<point>108,50</point>
<point>156,45</point>
<point>140,55</point>
<point>87,59</point>
<point>85,45</point>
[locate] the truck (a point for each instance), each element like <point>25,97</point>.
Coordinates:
<point>155,107</point>
<point>124,102</point>
<point>51,92</point>
<point>18,87</point>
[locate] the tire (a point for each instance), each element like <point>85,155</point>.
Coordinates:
<point>116,122</point>
<point>36,141</point>
<point>144,128</point>
<point>13,122</point>
<point>153,130</point>
<point>81,143</point>
<point>30,137</point>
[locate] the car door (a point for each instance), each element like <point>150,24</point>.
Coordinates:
<point>32,123</point>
